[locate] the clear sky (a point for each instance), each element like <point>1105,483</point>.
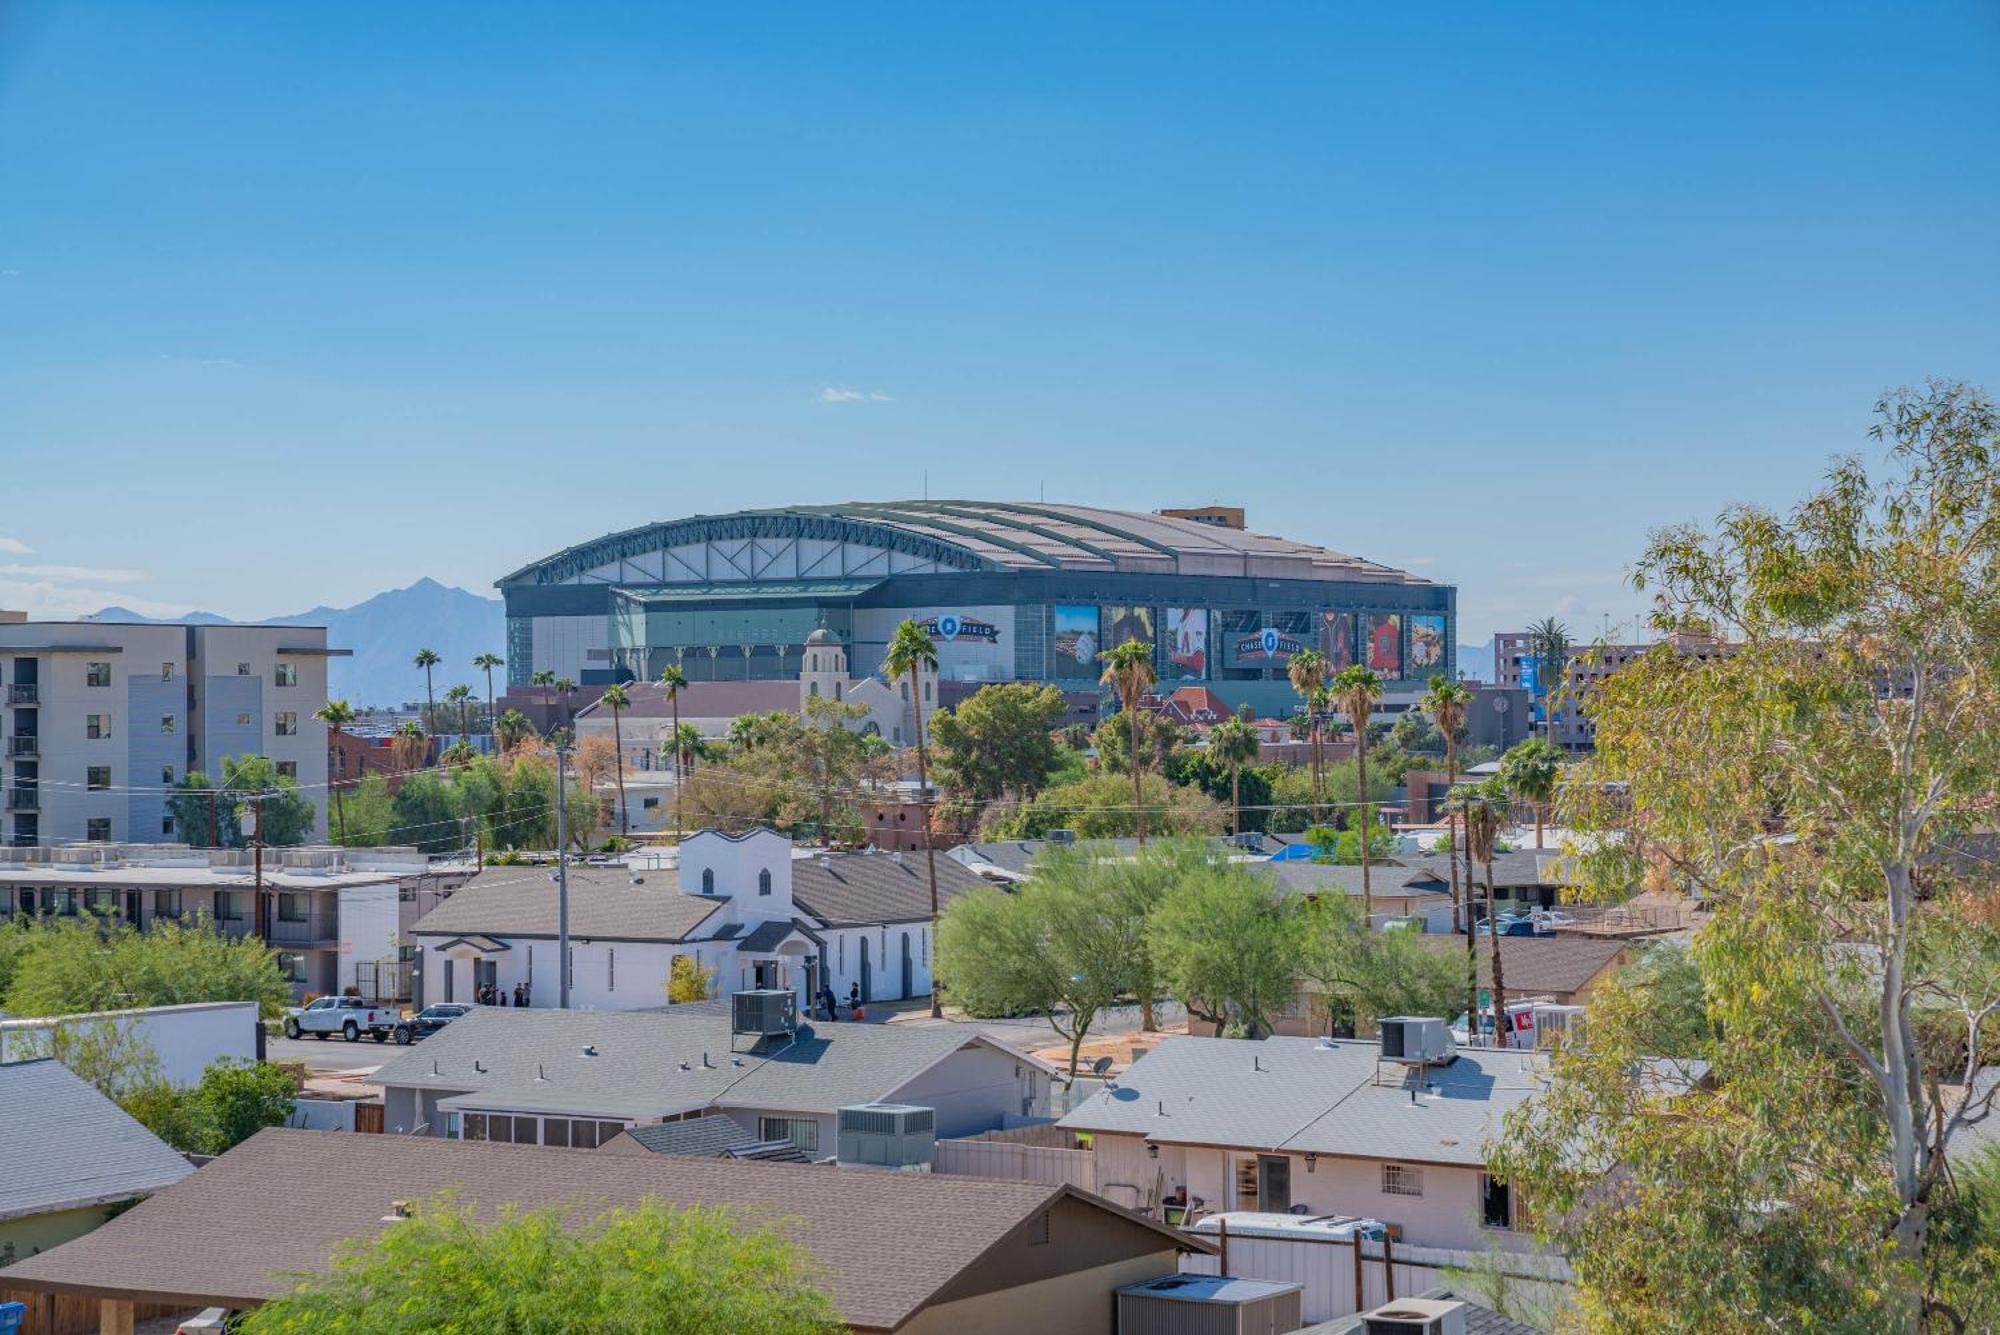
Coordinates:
<point>302,301</point>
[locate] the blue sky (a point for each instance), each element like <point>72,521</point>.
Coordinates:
<point>299,302</point>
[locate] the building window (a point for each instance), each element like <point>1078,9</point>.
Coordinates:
<point>97,828</point>
<point>1402,1180</point>
<point>1496,1202</point>
<point>285,674</point>
<point>97,778</point>
<point>166,903</point>
<point>242,669</point>
<point>291,966</point>
<point>228,906</point>
<point>708,880</point>
<point>288,724</point>
<point>764,881</point>
<point>166,774</point>
<point>801,1131</point>
<point>167,823</point>
<point>97,674</point>
<point>166,672</point>
<point>96,726</point>
<point>166,723</point>
<point>292,906</point>
<point>610,969</point>
<point>288,769</point>
<point>243,718</point>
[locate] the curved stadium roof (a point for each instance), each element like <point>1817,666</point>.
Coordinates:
<point>994,535</point>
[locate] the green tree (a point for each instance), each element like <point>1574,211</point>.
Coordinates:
<point>336,714</point>
<point>511,729</point>
<point>1159,741</point>
<point>687,980</point>
<point>615,700</point>
<point>1234,743</point>
<point>427,814</point>
<point>1356,689</point>
<point>528,817</point>
<point>371,813</point>
<point>1548,645</point>
<point>481,789</point>
<point>238,1098</point>
<point>210,814</point>
<point>999,740</point>
<point>654,1268</point>
<point>71,966</point>
<point>1446,702</point>
<point>1128,670</point>
<point>427,660</point>
<point>1360,974</point>
<point>459,698</point>
<point>486,663</point>
<point>1226,943</point>
<point>1530,770</point>
<point>673,680</point>
<point>1307,670</point>
<point>910,654</point>
<point>1099,806</point>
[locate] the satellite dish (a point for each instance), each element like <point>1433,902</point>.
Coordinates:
<point>1100,1066</point>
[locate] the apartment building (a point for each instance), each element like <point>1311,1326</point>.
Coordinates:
<point>101,718</point>
<point>1589,666</point>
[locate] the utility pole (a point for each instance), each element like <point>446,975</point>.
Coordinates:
<point>562,874</point>
<point>258,917</point>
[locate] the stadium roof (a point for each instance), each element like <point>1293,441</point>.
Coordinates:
<point>992,535</point>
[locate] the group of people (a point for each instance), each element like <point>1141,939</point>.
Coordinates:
<point>492,994</point>
<point>829,1005</point>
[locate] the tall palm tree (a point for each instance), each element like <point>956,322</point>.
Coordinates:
<point>1530,771</point>
<point>511,729</point>
<point>688,746</point>
<point>1484,807</point>
<point>565,688</point>
<point>410,745</point>
<point>428,659</point>
<point>912,653</point>
<point>486,663</point>
<point>460,700</point>
<point>1128,670</point>
<point>1446,701</point>
<point>1234,743</point>
<point>1355,690</point>
<point>337,714</point>
<point>1548,645</point>
<point>672,679</point>
<point>546,680</point>
<point>1308,669</point>
<point>615,699</point>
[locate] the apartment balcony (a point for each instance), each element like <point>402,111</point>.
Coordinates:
<point>24,746</point>
<point>315,929</point>
<point>24,693</point>
<point>23,799</point>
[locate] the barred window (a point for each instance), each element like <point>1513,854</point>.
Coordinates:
<point>1402,1180</point>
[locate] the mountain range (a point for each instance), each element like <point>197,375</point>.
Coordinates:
<point>385,632</point>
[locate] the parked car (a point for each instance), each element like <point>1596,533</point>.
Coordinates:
<point>350,1017</point>
<point>1515,924</point>
<point>428,1021</point>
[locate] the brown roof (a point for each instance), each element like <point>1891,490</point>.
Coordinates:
<point>233,1232</point>
<point>876,887</point>
<point>603,902</point>
<point>1537,964</point>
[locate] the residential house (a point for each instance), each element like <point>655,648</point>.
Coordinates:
<point>749,908</point>
<point>578,1078</point>
<point>898,1252</point>
<point>70,1158</point>
<point>1564,969</point>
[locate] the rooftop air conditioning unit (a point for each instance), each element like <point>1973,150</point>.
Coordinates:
<point>1416,1040</point>
<point>1416,1316</point>
<point>1209,1305</point>
<point>1062,836</point>
<point>766,1012</point>
<point>887,1135</point>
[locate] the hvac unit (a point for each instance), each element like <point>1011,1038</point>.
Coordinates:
<point>1062,836</point>
<point>1416,1316</point>
<point>887,1135</point>
<point>766,1012</point>
<point>1416,1040</point>
<point>1210,1305</point>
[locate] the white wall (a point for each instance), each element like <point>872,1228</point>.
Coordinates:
<point>604,975</point>
<point>368,924</point>
<point>843,959</point>
<point>185,1039</point>
<point>974,1090</point>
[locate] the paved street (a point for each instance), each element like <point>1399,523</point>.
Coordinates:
<point>334,1054</point>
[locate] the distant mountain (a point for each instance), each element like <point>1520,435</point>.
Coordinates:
<point>1476,659</point>
<point>126,614</point>
<point>385,633</point>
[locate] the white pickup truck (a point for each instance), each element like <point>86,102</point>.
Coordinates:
<point>350,1017</point>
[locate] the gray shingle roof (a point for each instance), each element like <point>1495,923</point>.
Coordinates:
<point>1317,1095</point>
<point>65,1146</point>
<point>534,1062</point>
<point>1325,878</point>
<point>235,1232</point>
<point>1522,867</point>
<point>844,890</point>
<point>603,903</point>
<point>698,1137</point>
<point>767,936</point>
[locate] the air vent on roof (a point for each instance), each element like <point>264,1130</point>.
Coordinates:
<point>766,1012</point>
<point>1415,1040</point>
<point>1416,1316</point>
<point>888,1135</point>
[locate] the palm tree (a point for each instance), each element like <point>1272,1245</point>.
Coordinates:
<point>1356,689</point>
<point>337,714</point>
<point>547,681</point>
<point>459,753</point>
<point>911,653</point>
<point>1307,669</point>
<point>565,688</point>
<point>428,659</point>
<point>1128,670</point>
<point>459,698</point>
<point>615,699</point>
<point>1530,771</point>
<point>486,663</point>
<point>409,746</point>
<point>1484,806</point>
<point>672,679</point>
<point>1234,743</point>
<point>1548,645</point>
<point>1446,701</point>
<point>511,729</point>
<point>688,746</point>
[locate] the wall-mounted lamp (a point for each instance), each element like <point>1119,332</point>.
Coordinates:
<point>1311,1159</point>
<point>1152,1150</point>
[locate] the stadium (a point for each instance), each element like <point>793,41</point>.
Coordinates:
<point>1010,591</point>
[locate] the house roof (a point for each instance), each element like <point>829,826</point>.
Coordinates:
<point>1524,866</point>
<point>603,904</point>
<point>849,889</point>
<point>699,1137</point>
<point>67,1146</point>
<point>651,1063</point>
<point>1479,1319</point>
<point>1537,964</point>
<point>768,935</point>
<point>234,1233</point>
<point>1326,878</point>
<point>1313,1095</point>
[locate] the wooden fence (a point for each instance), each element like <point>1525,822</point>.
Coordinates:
<point>67,1314</point>
<point>1018,1161</point>
<point>1341,1278</point>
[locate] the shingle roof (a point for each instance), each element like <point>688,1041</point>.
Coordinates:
<point>65,1146</point>
<point>1525,866</point>
<point>1318,1095</point>
<point>534,1062</point>
<point>698,1137</point>
<point>603,903</point>
<point>1479,1319</point>
<point>844,890</point>
<point>1537,964</point>
<point>1325,878</point>
<point>236,1232</point>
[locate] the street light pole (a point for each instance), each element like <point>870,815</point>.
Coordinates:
<point>562,874</point>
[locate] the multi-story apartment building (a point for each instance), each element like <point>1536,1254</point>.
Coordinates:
<point>1589,665</point>
<point>101,719</point>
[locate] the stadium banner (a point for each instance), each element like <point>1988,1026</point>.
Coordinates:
<point>1382,639</point>
<point>1187,642</point>
<point>1336,640</point>
<point>1073,643</point>
<point>1125,623</point>
<point>1426,644</point>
